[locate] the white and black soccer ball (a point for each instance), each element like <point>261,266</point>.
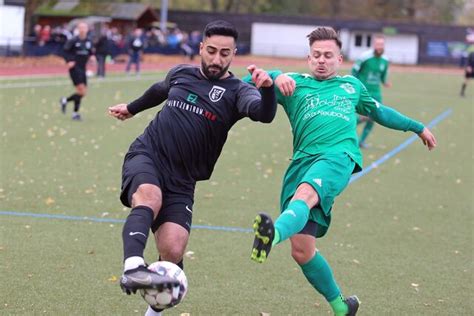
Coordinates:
<point>166,298</point>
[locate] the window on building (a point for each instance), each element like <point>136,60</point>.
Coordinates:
<point>358,40</point>
<point>363,40</point>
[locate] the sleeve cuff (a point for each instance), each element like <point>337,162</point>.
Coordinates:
<point>131,109</point>
<point>417,127</point>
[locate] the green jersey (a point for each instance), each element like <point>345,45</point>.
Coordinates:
<point>372,71</point>
<point>323,115</point>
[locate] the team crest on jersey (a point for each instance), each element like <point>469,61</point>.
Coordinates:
<point>348,88</point>
<point>216,93</point>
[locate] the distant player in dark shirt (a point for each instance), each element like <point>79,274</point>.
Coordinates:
<point>181,146</point>
<point>101,51</point>
<point>136,45</point>
<point>469,73</point>
<point>77,52</point>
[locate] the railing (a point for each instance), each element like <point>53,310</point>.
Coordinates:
<point>29,46</point>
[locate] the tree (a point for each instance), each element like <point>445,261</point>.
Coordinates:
<point>30,8</point>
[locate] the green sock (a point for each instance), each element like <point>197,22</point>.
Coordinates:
<point>318,272</point>
<point>292,220</point>
<point>366,131</point>
<point>338,306</point>
<point>276,239</point>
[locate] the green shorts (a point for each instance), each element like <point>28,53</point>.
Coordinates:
<point>328,174</point>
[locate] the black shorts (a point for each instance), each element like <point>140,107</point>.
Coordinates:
<point>78,75</point>
<point>177,194</point>
<point>313,229</point>
<point>469,74</point>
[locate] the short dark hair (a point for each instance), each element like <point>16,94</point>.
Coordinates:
<point>221,27</point>
<point>324,33</point>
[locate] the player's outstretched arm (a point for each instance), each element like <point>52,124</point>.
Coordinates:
<point>390,118</point>
<point>428,138</point>
<point>283,82</point>
<point>154,96</point>
<point>120,112</point>
<point>259,105</point>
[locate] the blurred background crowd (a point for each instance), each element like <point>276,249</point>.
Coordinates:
<point>109,41</point>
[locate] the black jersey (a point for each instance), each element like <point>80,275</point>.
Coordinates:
<point>78,50</point>
<point>470,59</point>
<point>186,137</point>
<point>136,44</point>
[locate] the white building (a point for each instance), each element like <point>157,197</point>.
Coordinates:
<point>11,27</point>
<point>289,40</point>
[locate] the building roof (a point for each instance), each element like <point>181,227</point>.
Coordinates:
<point>19,3</point>
<point>76,8</point>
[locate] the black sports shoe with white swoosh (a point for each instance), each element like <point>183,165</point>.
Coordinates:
<point>142,278</point>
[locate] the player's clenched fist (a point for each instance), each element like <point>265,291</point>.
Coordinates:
<point>260,77</point>
<point>120,111</point>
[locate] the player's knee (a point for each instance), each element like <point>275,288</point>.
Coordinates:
<point>148,195</point>
<point>301,256</point>
<point>308,194</point>
<point>81,90</point>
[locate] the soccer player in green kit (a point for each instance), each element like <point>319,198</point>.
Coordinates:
<point>322,108</point>
<point>372,68</point>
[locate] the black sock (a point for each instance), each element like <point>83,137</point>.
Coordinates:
<point>77,102</point>
<point>135,231</point>
<point>179,264</point>
<point>156,309</point>
<point>71,97</point>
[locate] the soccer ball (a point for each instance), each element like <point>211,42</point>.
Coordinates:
<point>166,298</point>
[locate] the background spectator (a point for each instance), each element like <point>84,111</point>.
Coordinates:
<point>102,44</point>
<point>135,46</point>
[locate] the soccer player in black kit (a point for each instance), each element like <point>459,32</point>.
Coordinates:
<point>469,73</point>
<point>77,52</point>
<point>181,146</point>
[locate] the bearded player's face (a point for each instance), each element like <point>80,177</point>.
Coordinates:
<point>379,46</point>
<point>217,52</point>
